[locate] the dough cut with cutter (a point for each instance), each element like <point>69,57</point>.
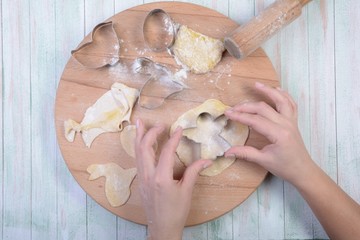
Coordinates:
<point>107,114</point>
<point>118,181</point>
<point>207,134</point>
<point>199,53</point>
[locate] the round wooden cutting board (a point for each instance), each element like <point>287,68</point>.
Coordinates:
<point>231,82</point>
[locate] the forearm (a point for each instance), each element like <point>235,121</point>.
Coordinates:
<point>286,156</point>
<point>337,212</point>
<point>164,234</point>
<point>164,238</point>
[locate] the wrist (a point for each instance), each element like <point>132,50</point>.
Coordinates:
<point>164,237</point>
<point>305,175</point>
<point>163,234</point>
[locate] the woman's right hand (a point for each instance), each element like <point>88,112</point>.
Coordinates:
<point>286,155</point>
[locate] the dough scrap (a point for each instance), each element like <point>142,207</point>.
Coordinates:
<point>108,114</point>
<point>208,134</point>
<point>197,52</point>
<point>127,139</point>
<point>118,181</point>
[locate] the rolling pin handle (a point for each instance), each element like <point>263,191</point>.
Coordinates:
<point>247,38</point>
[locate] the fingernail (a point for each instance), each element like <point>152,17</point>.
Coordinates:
<point>207,164</point>
<point>229,111</point>
<point>259,84</point>
<point>177,130</point>
<point>230,155</point>
<point>280,89</point>
<point>137,123</point>
<point>160,128</point>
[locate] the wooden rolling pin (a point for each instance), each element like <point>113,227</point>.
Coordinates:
<point>247,38</point>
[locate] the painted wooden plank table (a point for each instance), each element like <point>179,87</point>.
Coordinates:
<point>317,59</point>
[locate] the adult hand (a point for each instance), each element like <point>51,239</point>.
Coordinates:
<point>166,201</point>
<point>286,155</point>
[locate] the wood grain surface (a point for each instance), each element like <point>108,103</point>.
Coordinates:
<point>315,57</point>
<point>231,82</point>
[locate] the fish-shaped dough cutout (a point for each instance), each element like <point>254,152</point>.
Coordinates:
<point>108,114</point>
<point>118,181</point>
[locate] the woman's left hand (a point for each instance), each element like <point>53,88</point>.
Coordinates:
<point>166,201</point>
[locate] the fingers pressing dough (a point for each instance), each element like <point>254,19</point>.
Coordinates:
<point>208,134</point>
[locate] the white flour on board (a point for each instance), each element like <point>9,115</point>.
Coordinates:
<point>224,70</point>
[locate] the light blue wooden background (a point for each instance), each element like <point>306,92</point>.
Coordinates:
<point>317,58</point>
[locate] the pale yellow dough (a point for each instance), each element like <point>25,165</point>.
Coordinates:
<point>208,134</point>
<point>108,114</point>
<point>118,181</point>
<point>127,139</point>
<point>197,52</point>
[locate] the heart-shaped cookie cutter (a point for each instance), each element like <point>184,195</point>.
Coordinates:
<point>102,50</point>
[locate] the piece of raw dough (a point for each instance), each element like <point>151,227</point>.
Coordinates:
<point>106,115</point>
<point>118,181</point>
<point>127,139</point>
<point>197,52</point>
<point>207,134</point>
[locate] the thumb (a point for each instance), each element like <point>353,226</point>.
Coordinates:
<point>247,153</point>
<point>192,172</point>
